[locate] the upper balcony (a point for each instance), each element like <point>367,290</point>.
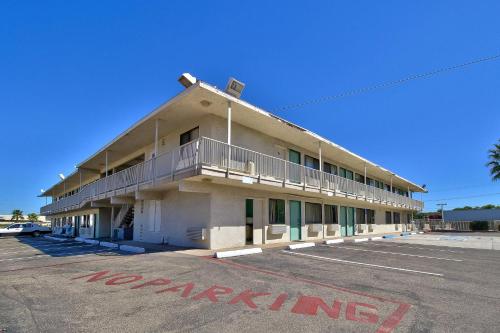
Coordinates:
<point>210,157</point>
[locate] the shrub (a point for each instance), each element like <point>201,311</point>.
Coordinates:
<point>479,225</point>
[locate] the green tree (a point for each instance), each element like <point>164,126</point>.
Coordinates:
<point>494,161</point>
<point>33,217</point>
<point>17,215</point>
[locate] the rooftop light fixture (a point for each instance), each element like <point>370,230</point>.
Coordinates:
<point>187,80</point>
<point>234,87</point>
<point>61,176</point>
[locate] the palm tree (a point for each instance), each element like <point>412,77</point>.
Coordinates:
<point>17,215</point>
<point>33,217</point>
<point>494,163</point>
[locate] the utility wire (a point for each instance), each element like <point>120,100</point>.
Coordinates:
<point>467,197</point>
<point>386,84</point>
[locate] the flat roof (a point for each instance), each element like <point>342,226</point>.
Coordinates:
<point>187,104</point>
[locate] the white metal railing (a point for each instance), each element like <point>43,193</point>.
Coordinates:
<point>212,153</point>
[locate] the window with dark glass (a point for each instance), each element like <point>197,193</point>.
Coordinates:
<point>388,218</point>
<point>276,211</point>
<point>396,218</point>
<point>342,172</point>
<point>311,162</point>
<point>359,178</point>
<point>370,216</point>
<point>189,136</point>
<point>331,216</point>
<point>329,168</point>
<point>360,216</point>
<point>349,174</point>
<point>313,213</point>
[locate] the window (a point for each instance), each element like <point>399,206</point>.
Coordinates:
<point>370,181</point>
<point>388,187</point>
<point>388,218</point>
<point>331,216</point>
<point>349,175</point>
<point>342,172</point>
<point>370,216</point>
<point>408,218</point>
<point>329,168</point>
<point>189,136</point>
<point>311,162</point>
<point>313,213</point>
<point>360,216</point>
<point>359,178</point>
<point>276,211</point>
<point>396,218</point>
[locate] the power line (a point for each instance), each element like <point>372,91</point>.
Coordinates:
<point>386,84</point>
<point>466,197</point>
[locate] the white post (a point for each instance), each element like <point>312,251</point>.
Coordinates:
<point>156,137</point>
<point>320,166</point>
<point>366,189</point>
<point>106,188</point>
<point>229,111</point>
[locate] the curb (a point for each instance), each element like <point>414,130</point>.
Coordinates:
<point>334,241</point>
<point>376,238</point>
<point>390,236</point>
<point>91,241</point>
<point>57,238</point>
<point>108,244</point>
<point>300,246</point>
<point>235,253</point>
<point>134,249</point>
<point>359,240</point>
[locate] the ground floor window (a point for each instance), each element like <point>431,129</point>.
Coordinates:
<point>408,218</point>
<point>388,218</point>
<point>313,213</point>
<point>360,216</point>
<point>397,218</point>
<point>331,216</point>
<point>276,211</point>
<point>370,216</point>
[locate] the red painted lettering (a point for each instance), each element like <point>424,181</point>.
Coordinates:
<point>185,287</point>
<point>212,292</point>
<point>278,303</point>
<point>364,317</point>
<point>98,276</point>
<point>123,280</point>
<point>309,305</point>
<point>155,282</point>
<point>246,297</point>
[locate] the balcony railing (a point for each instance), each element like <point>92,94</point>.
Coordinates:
<point>210,153</point>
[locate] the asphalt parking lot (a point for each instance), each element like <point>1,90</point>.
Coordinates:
<point>380,286</point>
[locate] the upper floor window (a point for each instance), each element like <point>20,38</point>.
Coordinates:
<point>359,178</point>
<point>189,136</point>
<point>311,162</point>
<point>329,168</point>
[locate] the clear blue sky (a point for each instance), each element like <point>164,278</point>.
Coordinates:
<point>74,74</point>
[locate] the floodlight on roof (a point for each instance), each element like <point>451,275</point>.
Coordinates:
<point>234,87</point>
<point>61,176</point>
<point>187,80</point>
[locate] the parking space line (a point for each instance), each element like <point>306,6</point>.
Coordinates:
<point>46,250</point>
<point>404,245</point>
<point>63,255</point>
<point>360,263</point>
<point>395,253</point>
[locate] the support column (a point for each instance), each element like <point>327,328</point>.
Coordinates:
<point>320,166</point>
<point>156,137</point>
<point>229,112</point>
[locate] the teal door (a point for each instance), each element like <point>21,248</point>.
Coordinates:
<point>295,220</point>
<point>347,221</point>
<point>350,221</point>
<point>343,221</point>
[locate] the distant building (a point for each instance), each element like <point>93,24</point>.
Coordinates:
<point>472,215</point>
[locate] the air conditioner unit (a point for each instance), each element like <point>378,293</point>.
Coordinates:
<point>251,167</point>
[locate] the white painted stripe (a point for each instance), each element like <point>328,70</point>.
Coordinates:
<point>334,241</point>
<point>404,245</point>
<point>420,232</point>
<point>42,250</point>
<point>360,263</point>
<point>57,238</point>
<point>109,244</point>
<point>376,238</point>
<point>395,253</point>
<point>62,255</point>
<point>135,249</point>
<point>234,253</point>
<point>413,233</point>
<point>300,246</point>
<point>359,240</point>
<point>91,241</point>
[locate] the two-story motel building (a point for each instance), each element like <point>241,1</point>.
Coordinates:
<point>209,170</point>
